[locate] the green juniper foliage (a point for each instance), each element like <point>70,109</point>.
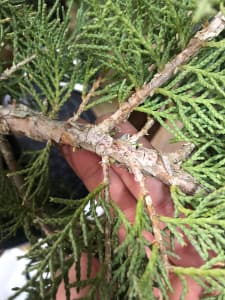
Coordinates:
<point>126,42</point>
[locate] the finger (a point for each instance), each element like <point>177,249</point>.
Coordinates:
<point>194,290</point>
<point>87,166</point>
<point>188,256</point>
<point>74,293</point>
<point>158,191</point>
<point>163,205</point>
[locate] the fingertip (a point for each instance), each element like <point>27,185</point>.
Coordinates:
<point>193,293</point>
<point>86,165</point>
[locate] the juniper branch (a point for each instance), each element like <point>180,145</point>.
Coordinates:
<point>215,27</point>
<point>21,120</point>
<point>17,179</point>
<point>191,271</point>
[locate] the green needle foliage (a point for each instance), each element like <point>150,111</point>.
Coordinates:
<point>124,43</point>
<point>10,221</point>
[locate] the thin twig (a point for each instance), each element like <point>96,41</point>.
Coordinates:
<point>108,246</point>
<point>8,72</point>
<point>152,213</point>
<point>149,161</point>
<point>6,20</point>
<point>46,229</point>
<point>86,98</point>
<point>215,27</point>
<point>144,130</point>
<point>17,179</point>
<point>7,153</point>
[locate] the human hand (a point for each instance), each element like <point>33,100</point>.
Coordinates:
<point>124,191</point>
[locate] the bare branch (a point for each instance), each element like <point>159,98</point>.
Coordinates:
<point>17,179</point>
<point>7,153</point>
<point>85,99</point>
<point>151,162</point>
<point>5,20</point>
<point>108,246</point>
<point>8,72</point>
<point>151,211</point>
<point>214,28</point>
<point>144,130</point>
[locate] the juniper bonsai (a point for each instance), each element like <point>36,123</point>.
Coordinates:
<point>163,58</point>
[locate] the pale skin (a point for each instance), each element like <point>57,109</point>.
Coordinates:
<point>124,191</point>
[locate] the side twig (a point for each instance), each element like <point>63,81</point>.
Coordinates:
<point>144,130</point>
<point>152,213</point>
<point>215,27</point>
<point>17,179</point>
<point>7,153</point>
<point>86,98</point>
<point>8,72</point>
<point>108,246</point>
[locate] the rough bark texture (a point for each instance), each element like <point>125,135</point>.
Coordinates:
<point>20,120</point>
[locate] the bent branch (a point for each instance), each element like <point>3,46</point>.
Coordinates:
<point>167,168</point>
